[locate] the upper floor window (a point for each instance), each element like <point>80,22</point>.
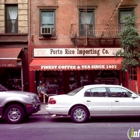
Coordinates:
<point>123,13</point>
<point>47,25</point>
<point>11,19</point>
<point>133,73</point>
<point>86,23</point>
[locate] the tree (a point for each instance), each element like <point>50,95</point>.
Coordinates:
<point>130,43</point>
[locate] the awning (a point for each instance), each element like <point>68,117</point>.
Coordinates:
<point>9,57</point>
<point>75,64</point>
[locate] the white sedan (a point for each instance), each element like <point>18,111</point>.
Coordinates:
<point>95,100</point>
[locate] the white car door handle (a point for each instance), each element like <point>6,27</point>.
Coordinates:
<point>116,101</point>
<point>88,100</point>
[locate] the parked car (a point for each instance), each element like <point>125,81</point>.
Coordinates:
<point>95,100</point>
<point>15,106</point>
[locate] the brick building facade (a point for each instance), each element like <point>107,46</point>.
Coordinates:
<point>65,43</point>
<point>14,44</point>
<point>73,43</point>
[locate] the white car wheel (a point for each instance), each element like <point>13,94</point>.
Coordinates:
<point>79,114</point>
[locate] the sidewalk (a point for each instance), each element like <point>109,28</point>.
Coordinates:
<point>42,111</point>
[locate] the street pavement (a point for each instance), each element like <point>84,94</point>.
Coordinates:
<point>42,111</point>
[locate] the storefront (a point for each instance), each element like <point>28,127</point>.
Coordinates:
<point>11,68</point>
<point>69,68</point>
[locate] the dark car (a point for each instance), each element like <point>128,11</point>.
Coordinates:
<point>15,106</point>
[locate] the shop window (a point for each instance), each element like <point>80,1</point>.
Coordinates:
<point>123,13</point>
<point>11,19</point>
<point>133,73</point>
<point>73,80</point>
<point>11,78</point>
<point>47,23</point>
<point>52,79</point>
<point>106,77</point>
<point>86,22</point>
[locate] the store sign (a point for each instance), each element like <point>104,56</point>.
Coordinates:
<point>73,52</point>
<point>78,67</point>
<point>8,63</point>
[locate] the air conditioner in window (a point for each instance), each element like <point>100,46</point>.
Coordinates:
<point>46,31</point>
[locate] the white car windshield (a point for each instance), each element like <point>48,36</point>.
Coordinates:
<point>73,92</point>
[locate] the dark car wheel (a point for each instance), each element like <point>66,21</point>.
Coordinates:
<point>79,114</point>
<point>14,114</point>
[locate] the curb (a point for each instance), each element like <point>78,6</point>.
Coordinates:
<point>40,114</point>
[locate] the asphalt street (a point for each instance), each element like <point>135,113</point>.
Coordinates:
<point>41,126</point>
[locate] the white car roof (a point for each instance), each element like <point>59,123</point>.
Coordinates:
<point>102,85</point>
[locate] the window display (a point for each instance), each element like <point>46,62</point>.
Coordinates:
<point>52,79</point>
<point>106,77</point>
<point>11,78</point>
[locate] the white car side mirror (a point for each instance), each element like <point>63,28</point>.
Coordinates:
<point>134,96</point>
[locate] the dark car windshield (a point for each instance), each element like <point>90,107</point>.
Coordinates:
<point>73,92</point>
<point>2,88</point>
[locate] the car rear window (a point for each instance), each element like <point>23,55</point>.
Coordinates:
<point>73,92</point>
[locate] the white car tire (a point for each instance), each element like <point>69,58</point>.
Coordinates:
<point>79,114</point>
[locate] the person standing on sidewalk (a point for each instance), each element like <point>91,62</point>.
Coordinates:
<point>44,91</point>
<point>39,87</point>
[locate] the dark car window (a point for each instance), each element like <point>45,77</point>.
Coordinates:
<point>96,92</point>
<point>119,92</point>
<point>2,88</point>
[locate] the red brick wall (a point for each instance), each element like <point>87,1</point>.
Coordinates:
<point>67,14</point>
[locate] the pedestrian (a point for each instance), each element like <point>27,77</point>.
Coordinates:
<point>44,91</point>
<point>39,87</point>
